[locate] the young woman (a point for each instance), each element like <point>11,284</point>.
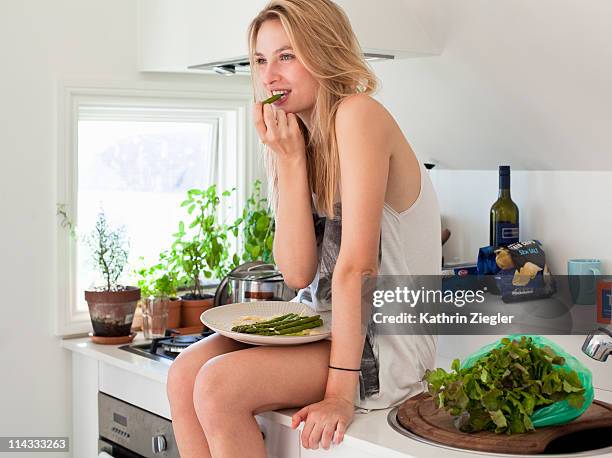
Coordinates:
<point>340,169</point>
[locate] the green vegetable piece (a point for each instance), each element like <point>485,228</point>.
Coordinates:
<point>272,99</point>
<point>484,376</point>
<point>498,418</point>
<point>309,325</point>
<point>504,387</point>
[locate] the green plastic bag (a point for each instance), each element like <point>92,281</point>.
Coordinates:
<point>559,412</point>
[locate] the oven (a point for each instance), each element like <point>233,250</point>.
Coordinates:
<point>127,431</point>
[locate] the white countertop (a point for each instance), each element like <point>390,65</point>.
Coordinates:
<point>369,433</point>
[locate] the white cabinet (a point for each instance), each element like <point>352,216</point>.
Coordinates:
<point>338,451</point>
<point>389,27</point>
<point>281,441</point>
<point>91,376</point>
<point>218,33</point>
<point>175,34</point>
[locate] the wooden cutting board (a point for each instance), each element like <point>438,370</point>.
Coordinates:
<point>421,416</point>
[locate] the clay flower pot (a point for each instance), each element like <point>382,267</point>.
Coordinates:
<point>112,312</point>
<point>191,309</point>
<point>174,312</point>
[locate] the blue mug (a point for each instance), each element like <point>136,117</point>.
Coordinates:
<point>583,274</point>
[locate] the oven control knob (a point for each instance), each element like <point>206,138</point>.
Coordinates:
<point>159,444</point>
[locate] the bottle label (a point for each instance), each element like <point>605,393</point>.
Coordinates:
<point>506,233</point>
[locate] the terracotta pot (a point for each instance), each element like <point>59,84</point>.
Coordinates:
<point>112,312</point>
<point>191,310</point>
<point>174,313</point>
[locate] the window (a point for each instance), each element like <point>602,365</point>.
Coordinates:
<point>136,156</point>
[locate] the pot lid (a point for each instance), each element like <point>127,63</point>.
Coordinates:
<point>258,275</point>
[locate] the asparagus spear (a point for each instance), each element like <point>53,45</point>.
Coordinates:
<point>282,319</point>
<point>264,323</point>
<point>272,99</point>
<point>274,326</point>
<point>297,322</point>
<point>283,325</point>
<point>298,328</point>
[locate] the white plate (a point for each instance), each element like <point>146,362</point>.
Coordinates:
<point>220,319</point>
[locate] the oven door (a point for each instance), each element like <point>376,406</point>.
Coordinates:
<point>126,430</point>
<point>108,449</point>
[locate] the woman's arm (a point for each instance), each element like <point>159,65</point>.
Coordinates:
<point>363,133</point>
<point>363,128</point>
<point>295,250</point>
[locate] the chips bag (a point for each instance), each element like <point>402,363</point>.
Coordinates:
<point>523,274</point>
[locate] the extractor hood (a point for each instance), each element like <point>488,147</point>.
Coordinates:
<point>241,65</point>
<point>196,36</point>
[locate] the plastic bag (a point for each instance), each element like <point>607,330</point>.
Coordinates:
<point>559,412</point>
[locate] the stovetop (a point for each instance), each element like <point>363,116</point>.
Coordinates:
<point>165,349</point>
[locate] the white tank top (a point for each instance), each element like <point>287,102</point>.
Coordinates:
<point>392,366</point>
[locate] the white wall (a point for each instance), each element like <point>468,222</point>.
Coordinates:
<point>41,43</point>
<point>523,78</point>
<point>520,83</point>
<point>569,212</point>
<point>525,84</point>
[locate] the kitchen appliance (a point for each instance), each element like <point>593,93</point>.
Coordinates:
<point>165,349</point>
<point>127,431</point>
<point>253,281</point>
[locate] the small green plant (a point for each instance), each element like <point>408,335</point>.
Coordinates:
<point>205,249</point>
<point>159,280</point>
<point>257,223</point>
<point>109,250</point>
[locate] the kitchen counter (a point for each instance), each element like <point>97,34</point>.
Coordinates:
<point>369,435</point>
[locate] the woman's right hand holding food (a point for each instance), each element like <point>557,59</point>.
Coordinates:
<point>280,131</point>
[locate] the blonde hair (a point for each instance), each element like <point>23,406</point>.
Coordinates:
<point>324,42</point>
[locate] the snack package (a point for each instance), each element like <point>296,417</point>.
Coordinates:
<point>523,274</point>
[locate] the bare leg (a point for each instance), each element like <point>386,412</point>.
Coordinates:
<point>188,432</point>
<point>230,389</point>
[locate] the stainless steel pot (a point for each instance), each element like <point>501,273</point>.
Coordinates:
<point>253,281</point>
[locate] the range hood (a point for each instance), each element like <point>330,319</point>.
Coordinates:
<point>204,36</point>
<point>241,65</point>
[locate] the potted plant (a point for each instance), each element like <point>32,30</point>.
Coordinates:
<point>204,251</point>
<point>161,282</point>
<point>257,228</point>
<point>112,306</point>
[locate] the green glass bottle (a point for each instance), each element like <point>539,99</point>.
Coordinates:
<point>504,215</point>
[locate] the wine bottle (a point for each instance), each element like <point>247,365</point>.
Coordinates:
<point>504,215</point>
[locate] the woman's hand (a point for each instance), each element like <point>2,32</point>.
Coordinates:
<point>279,131</point>
<point>322,419</point>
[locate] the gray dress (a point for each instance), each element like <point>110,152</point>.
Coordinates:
<point>392,366</point>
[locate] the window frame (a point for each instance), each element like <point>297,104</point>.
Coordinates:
<point>239,160</point>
